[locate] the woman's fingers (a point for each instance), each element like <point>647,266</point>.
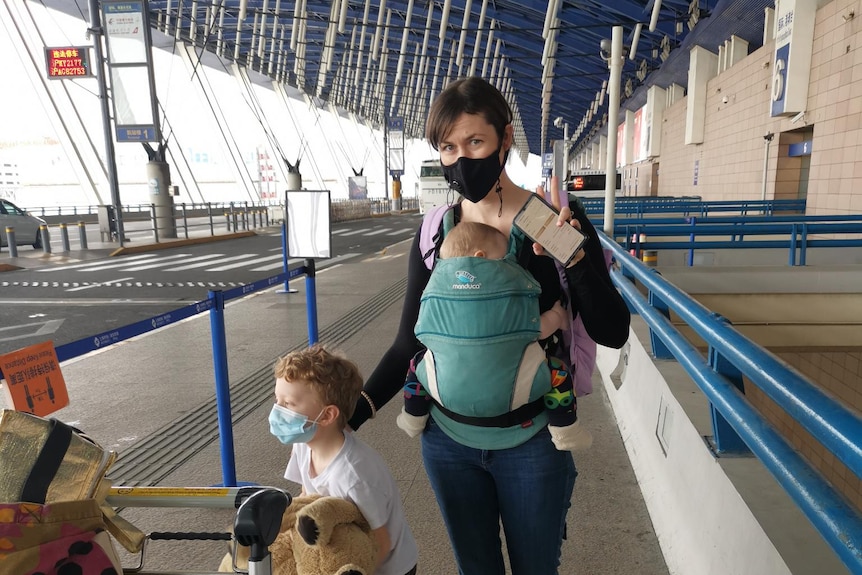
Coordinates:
<point>565,218</point>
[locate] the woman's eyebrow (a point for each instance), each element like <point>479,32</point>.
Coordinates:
<point>473,136</point>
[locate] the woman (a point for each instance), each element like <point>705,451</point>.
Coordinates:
<point>527,486</point>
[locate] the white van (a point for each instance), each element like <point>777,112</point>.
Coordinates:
<point>433,189</point>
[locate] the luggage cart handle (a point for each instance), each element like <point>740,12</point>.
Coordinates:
<point>188,497</point>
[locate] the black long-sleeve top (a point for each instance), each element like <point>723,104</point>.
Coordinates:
<point>603,311</point>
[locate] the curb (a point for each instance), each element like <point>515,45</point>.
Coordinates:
<point>179,243</point>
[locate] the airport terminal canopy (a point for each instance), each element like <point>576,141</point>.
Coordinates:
<point>381,59</point>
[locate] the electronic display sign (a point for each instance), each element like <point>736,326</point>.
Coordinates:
<point>68,62</point>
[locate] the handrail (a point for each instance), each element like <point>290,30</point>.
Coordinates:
<point>692,206</point>
<point>834,425</point>
<point>641,235</point>
<point>737,219</point>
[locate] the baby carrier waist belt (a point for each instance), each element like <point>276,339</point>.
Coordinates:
<point>515,417</point>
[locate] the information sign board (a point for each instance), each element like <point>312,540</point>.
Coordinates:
<point>33,382</point>
<point>68,62</point>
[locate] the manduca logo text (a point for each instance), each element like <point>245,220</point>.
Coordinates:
<point>466,280</point>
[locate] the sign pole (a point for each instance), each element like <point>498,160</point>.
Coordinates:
<point>110,159</point>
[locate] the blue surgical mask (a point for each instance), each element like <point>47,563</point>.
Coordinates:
<point>291,427</point>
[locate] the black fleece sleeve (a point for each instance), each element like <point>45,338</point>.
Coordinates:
<point>387,379</point>
<point>603,310</point>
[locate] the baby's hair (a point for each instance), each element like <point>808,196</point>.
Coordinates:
<point>332,376</point>
<point>467,238</point>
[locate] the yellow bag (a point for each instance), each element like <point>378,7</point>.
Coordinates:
<point>45,460</point>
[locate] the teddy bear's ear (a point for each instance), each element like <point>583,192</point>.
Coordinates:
<point>289,519</point>
<point>315,521</point>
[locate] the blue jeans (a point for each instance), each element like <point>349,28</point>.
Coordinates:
<point>528,488</point>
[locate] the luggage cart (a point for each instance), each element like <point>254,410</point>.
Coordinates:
<point>256,524</point>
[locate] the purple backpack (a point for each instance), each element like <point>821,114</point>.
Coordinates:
<point>581,348</point>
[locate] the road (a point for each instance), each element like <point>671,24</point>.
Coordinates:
<point>71,298</point>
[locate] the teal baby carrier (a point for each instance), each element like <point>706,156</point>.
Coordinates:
<point>484,369</point>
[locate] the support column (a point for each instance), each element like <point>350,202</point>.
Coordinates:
<point>158,182</point>
<point>702,67</point>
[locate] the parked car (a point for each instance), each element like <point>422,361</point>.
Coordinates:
<point>26,226</point>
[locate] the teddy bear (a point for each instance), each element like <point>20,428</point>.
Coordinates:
<point>319,536</point>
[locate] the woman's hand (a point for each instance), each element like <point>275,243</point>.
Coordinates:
<point>565,218</point>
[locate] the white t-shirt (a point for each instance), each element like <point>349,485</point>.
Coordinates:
<point>359,474</point>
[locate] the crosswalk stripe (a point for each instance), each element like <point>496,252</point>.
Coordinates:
<point>378,232</point>
<point>159,264</point>
<point>321,264</point>
<point>125,260</point>
<point>207,263</point>
<point>401,231</point>
<point>276,265</point>
<point>354,232</point>
<point>240,264</point>
<point>124,264</point>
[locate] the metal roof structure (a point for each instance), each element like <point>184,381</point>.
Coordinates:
<point>388,58</point>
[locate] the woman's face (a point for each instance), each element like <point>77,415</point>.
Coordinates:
<point>471,136</point>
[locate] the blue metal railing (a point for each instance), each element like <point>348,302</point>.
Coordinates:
<point>837,428</point>
<point>639,233</point>
<point>689,206</point>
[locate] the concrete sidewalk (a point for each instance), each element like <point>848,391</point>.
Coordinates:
<point>128,394</point>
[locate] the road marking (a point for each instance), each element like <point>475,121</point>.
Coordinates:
<point>377,232</point>
<point>61,268</point>
<point>401,231</point>
<point>124,264</point>
<point>240,264</point>
<point>149,266</point>
<point>320,264</point>
<point>47,327</point>
<point>354,232</point>
<point>204,264</point>
<point>100,284</point>
<point>276,265</point>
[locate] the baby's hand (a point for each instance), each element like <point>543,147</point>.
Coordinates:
<point>565,218</point>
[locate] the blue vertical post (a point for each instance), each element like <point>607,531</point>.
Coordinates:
<point>725,438</point>
<point>791,260</point>
<point>803,246</point>
<point>222,385</point>
<point>311,301</point>
<point>690,259</point>
<point>659,349</point>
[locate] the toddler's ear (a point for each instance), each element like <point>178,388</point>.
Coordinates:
<point>479,254</point>
<point>331,413</point>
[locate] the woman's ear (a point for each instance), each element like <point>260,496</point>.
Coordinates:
<point>508,136</point>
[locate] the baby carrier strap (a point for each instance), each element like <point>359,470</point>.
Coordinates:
<point>434,226</point>
<point>521,409</point>
<point>517,416</point>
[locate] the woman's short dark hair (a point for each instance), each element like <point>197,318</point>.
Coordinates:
<point>466,96</point>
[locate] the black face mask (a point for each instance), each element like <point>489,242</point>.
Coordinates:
<point>474,178</point>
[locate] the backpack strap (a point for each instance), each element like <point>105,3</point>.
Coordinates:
<point>431,232</point>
